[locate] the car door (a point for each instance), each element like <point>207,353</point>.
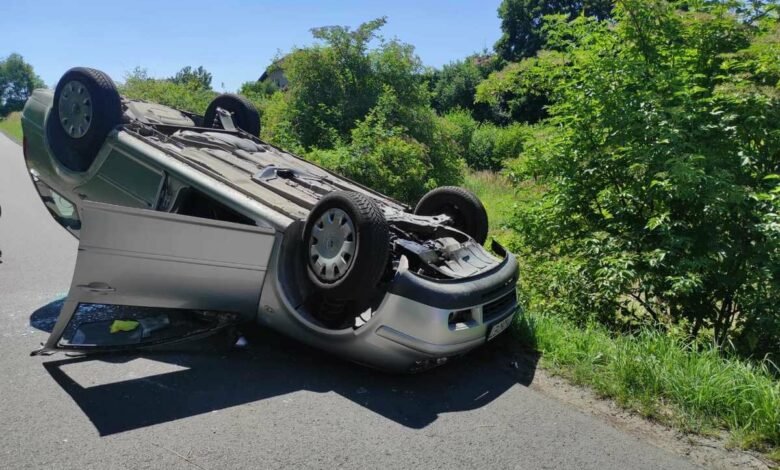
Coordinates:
<point>144,277</point>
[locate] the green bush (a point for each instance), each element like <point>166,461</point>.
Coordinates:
<point>400,151</point>
<point>491,146</point>
<point>188,95</point>
<point>463,126</point>
<point>661,195</point>
<point>259,93</point>
<point>392,164</point>
<point>334,85</point>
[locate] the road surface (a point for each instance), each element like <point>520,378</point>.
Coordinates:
<point>270,404</point>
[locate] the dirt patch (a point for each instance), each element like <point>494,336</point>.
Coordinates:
<point>709,452</point>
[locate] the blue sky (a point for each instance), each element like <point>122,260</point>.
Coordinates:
<point>235,40</point>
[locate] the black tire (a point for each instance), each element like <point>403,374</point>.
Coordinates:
<point>244,113</point>
<point>461,205</point>
<point>372,239</point>
<point>78,153</point>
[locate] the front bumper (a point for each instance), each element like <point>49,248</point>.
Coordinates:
<point>420,322</point>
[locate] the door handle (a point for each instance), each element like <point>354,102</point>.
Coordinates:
<point>97,288</point>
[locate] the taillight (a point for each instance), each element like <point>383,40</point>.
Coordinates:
<point>24,147</point>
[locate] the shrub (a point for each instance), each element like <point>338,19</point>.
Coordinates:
<point>660,174</point>
<point>463,126</point>
<point>189,95</point>
<point>492,145</point>
<point>400,151</point>
<point>334,85</point>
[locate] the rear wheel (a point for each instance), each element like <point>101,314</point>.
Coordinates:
<point>347,244</point>
<point>86,108</point>
<point>461,205</point>
<point>243,112</point>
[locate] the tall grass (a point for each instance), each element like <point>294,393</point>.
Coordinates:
<point>11,126</point>
<point>497,194</point>
<point>692,386</point>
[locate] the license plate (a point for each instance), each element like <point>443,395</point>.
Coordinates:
<point>499,327</point>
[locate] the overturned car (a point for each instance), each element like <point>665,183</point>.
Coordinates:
<point>188,224</point>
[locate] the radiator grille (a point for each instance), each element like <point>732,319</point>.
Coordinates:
<point>497,307</point>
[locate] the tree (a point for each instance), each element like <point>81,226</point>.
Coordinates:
<point>17,81</point>
<point>522,22</point>
<point>455,85</point>
<point>662,172</point>
<point>335,84</point>
<point>518,92</point>
<point>199,76</point>
<point>359,105</point>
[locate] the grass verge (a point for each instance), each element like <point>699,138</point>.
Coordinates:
<point>692,387</point>
<point>11,126</point>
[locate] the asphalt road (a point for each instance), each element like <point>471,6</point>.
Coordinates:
<point>270,404</point>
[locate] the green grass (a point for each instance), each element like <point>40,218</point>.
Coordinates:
<point>498,196</point>
<point>696,389</point>
<point>11,126</point>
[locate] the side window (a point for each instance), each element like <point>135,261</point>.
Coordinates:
<point>190,201</point>
<point>125,181</point>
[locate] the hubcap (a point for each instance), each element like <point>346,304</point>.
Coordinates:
<point>332,245</point>
<point>75,107</point>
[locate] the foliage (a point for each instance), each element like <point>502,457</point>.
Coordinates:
<point>258,91</point>
<point>519,92</point>
<point>198,76</point>
<point>660,171</point>
<point>463,126</point>
<point>492,145</point>
<point>365,112</point>
<point>17,81</point>
<point>400,151</point>
<point>334,85</point>
<point>523,22</point>
<point>189,95</point>
<point>691,385</point>
<point>485,146</point>
<point>455,85</point>
<point>665,377</point>
<point>11,125</point>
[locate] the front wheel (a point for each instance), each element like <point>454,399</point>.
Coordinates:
<point>346,245</point>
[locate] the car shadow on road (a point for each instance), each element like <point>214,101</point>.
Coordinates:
<point>273,365</point>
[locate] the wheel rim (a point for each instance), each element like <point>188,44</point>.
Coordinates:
<point>332,245</point>
<point>75,108</point>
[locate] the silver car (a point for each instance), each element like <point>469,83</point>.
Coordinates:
<point>190,224</point>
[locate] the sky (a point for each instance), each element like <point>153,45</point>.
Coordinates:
<point>235,40</point>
